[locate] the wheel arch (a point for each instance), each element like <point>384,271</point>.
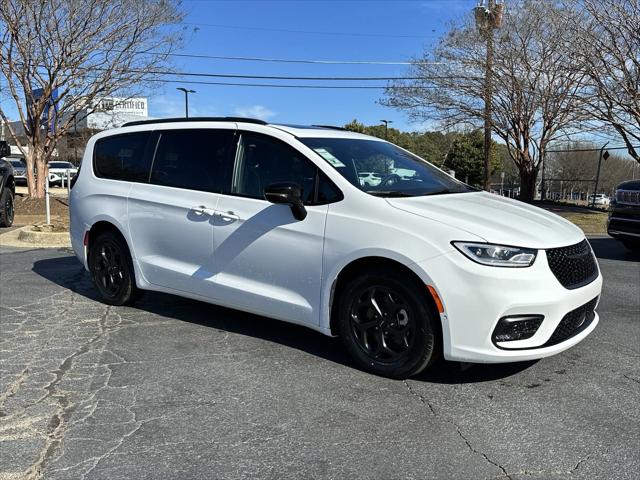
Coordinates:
<point>359,265</point>
<point>11,182</point>
<point>100,227</point>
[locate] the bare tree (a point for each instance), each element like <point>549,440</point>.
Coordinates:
<point>60,57</point>
<point>605,46</point>
<point>533,90</point>
<point>574,169</point>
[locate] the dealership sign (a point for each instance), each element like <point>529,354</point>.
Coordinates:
<point>131,106</point>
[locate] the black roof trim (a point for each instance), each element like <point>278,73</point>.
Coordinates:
<point>331,127</point>
<point>195,119</point>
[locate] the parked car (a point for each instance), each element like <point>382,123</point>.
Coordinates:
<point>19,170</point>
<point>369,179</point>
<point>61,170</point>
<point>7,186</point>
<point>273,220</point>
<point>599,199</point>
<point>624,215</point>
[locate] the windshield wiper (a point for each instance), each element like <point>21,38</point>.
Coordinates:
<point>440,191</point>
<point>389,193</point>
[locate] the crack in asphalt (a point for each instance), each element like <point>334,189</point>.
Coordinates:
<point>14,386</point>
<point>64,408</point>
<point>457,429</point>
<point>505,475</point>
<point>580,462</point>
<point>628,377</point>
<point>547,472</point>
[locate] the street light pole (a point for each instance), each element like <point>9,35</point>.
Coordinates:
<point>488,18</point>
<point>386,128</point>
<point>186,99</point>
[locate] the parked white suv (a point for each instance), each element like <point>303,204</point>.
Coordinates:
<point>274,220</point>
<point>599,199</point>
<point>61,172</point>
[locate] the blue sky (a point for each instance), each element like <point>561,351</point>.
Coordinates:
<point>319,30</point>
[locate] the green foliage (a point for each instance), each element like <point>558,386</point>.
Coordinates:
<point>459,151</point>
<point>466,157</point>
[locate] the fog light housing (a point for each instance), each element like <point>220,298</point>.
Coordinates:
<point>516,327</point>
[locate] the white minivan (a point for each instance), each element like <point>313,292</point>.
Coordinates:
<point>276,220</point>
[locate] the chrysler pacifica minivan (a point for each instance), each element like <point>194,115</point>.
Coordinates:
<point>280,221</point>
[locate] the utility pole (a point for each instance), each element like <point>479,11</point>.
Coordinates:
<point>186,99</point>
<point>488,18</point>
<point>386,128</point>
<point>595,191</point>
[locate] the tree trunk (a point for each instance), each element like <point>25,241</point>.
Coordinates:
<point>31,179</point>
<point>42,175</point>
<point>36,157</point>
<point>528,185</point>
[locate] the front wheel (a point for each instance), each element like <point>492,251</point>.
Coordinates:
<point>111,269</point>
<point>387,324</point>
<point>6,208</point>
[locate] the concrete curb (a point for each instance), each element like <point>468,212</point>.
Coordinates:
<point>25,237</point>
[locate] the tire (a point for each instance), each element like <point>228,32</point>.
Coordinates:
<point>399,343</point>
<point>632,245</point>
<point>111,269</point>
<point>7,208</point>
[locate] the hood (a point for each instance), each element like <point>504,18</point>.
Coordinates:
<point>629,185</point>
<point>496,219</point>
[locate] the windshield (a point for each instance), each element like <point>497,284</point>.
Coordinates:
<point>17,163</point>
<point>382,169</point>
<point>60,165</point>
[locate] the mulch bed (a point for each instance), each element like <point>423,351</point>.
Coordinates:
<point>36,206</point>
<point>29,211</point>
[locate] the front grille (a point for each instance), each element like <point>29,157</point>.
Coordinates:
<point>573,323</point>
<point>628,197</point>
<point>574,266</point>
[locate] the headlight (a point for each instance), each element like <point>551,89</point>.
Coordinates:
<point>497,255</point>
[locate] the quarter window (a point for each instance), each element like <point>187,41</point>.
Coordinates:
<point>122,157</point>
<point>194,159</point>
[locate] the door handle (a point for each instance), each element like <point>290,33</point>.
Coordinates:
<point>227,216</point>
<point>202,210</point>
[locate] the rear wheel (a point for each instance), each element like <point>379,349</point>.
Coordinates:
<point>111,269</point>
<point>387,324</point>
<point>6,208</point>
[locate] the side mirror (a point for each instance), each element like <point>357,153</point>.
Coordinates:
<point>287,193</point>
<point>5,149</point>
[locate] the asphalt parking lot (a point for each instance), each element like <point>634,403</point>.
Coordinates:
<point>174,388</point>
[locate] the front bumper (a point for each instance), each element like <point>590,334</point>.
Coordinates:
<point>624,227</point>
<point>475,297</point>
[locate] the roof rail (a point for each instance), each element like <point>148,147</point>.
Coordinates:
<point>332,127</point>
<point>195,119</point>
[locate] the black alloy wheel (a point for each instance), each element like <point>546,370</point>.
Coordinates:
<point>112,270</point>
<point>387,323</point>
<point>381,323</point>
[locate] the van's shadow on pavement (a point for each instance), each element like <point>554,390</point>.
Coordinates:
<point>69,274</point>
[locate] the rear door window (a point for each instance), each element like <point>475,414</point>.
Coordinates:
<point>122,157</point>
<point>195,159</point>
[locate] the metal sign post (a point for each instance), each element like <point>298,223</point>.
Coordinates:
<point>46,198</point>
